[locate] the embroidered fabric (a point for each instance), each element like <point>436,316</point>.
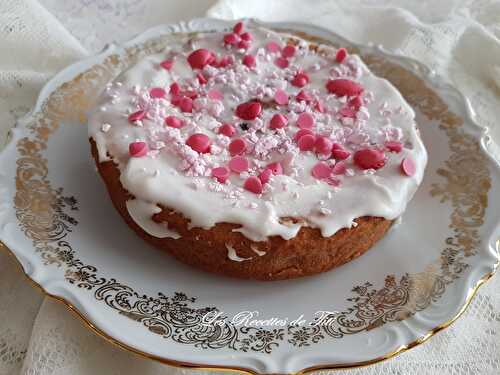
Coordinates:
<point>459,39</point>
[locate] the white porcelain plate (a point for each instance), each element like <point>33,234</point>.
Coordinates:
<point>59,223</point>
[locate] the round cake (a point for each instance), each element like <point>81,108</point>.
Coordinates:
<point>256,154</point>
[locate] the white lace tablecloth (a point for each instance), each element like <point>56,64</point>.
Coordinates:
<point>459,39</point>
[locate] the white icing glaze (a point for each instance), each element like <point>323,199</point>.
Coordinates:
<point>141,212</point>
<point>257,251</point>
<point>231,254</point>
<point>186,186</point>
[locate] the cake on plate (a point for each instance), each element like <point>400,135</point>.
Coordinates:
<point>256,154</point>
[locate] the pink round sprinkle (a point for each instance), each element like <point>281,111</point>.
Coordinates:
<point>175,88</point>
<point>231,39</point>
<point>278,121</point>
<point>323,145</point>
<point>408,167</point>
<point>347,112</point>
<point>238,27</point>
<point>137,149</point>
<point>340,154</point>
<point>186,104</point>
<point>344,87</point>
<point>339,168</point>
<point>249,61</point>
<point>174,122</point>
<point>238,164</point>
<point>394,146</point>
<point>288,51</point>
<point>306,142</point>
<point>275,168</point>
<point>157,93</point>
<point>273,47</point>
<point>221,174</point>
<point>321,170</point>
<point>281,62</point>
<point>246,37</point>
<point>253,184</point>
<point>167,64</point>
<point>249,110</point>
<point>305,121</point>
<point>265,176</point>
<point>341,55</point>
<point>301,133</point>
<point>215,94</point>
<point>237,146</point>
<point>199,58</point>
<point>369,158</point>
<point>227,129</point>
<point>137,116</point>
<point>199,142</point>
<point>244,44</point>
<point>300,80</point>
<point>281,97</point>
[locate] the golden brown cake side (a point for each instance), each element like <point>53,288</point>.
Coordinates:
<point>306,254</point>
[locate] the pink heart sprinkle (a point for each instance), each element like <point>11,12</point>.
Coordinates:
<point>323,145</point>
<point>237,146</point>
<point>174,122</point>
<point>278,121</point>
<point>157,93</point>
<point>394,146</point>
<point>167,64</point>
<point>288,51</point>
<point>273,47</point>
<point>249,61</point>
<point>175,88</point>
<point>275,168</point>
<point>215,94</point>
<point>200,58</point>
<point>227,129</point>
<point>137,116</point>
<point>238,27</point>
<point>246,37</point>
<point>221,174</point>
<point>341,55</point>
<point>281,62</point>
<point>301,133</point>
<point>199,142</point>
<point>238,164</point>
<point>137,149</point>
<point>305,121</point>
<point>231,39</point>
<point>408,167</point>
<point>318,106</point>
<point>186,104</point>
<point>253,184</point>
<point>321,170</point>
<point>306,142</point>
<point>265,176</point>
<point>356,103</point>
<point>339,168</point>
<point>281,97</point>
